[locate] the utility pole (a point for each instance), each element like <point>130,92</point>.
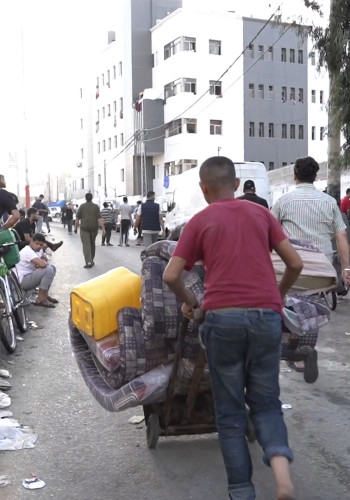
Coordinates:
<point>27,189</point>
<point>105,176</point>
<point>219,149</point>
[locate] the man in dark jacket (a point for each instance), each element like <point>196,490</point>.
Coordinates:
<point>152,221</point>
<point>250,194</point>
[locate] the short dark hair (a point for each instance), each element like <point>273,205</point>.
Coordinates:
<point>31,211</point>
<point>347,191</point>
<point>88,197</point>
<point>41,196</point>
<point>150,194</point>
<point>217,172</point>
<point>22,212</point>
<point>138,202</point>
<point>305,169</point>
<point>39,237</point>
<point>125,199</point>
<point>105,204</point>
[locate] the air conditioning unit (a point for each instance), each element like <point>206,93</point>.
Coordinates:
<point>79,164</point>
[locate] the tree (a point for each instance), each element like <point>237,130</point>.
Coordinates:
<point>333,45</point>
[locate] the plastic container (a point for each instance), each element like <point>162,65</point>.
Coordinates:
<point>95,303</point>
<point>12,257</point>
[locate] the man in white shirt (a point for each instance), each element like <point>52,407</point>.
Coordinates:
<point>34,271</point>
<point>125,222</point>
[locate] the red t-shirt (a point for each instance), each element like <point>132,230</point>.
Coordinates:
<point>234,239</point>
<point>345,205</point>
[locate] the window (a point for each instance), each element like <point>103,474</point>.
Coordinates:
<point>313,95</point>
<point>300,57</point>
<point>81,93</point>
<point>190,125</point>
<point>114,72</point>
<point>183,43</point>
<point>115,141</point>
<point>251,129</point>
<point>292,55</point>
<point>301,131</point>
<point>269,54</point>
<point>120,68</point>
<point>82,153</point>
<point>215,127</point>
<point>180,85</point>
<point>81,123</point>
<point>97,82</point>
<point>270,92</point>
<point>82,183</point>
<point>98,147</point>
<point>313,59</point>
<point>104,145</point>
<point>321,133</point>
<point>121,102</point>
<point>98,115</point>
<point>99,180</point>
<point>284,163</point>
<point>271,165</point>
<point>251,90</point>
<point>175,168</point>
<point>215,47</point>
<point>260,51</point>
<point>261,91</point>
<point>261,129</point>
<point>103,112</point>
<point>251,50</point>
<point>109,143</point>
<point>103,78</point>
<point>74,185</point>
<point>215,88</point>
<point>313,133</point>
<point>108,78</point>
<point>301,95</point>
<point>292,94</point>
<point>321,97</point>
<point>109,109</point>
<point>284,55</point>
<point>122,139</point>
<point>271,130</point>
<point>114,106</point>
<point>284,94</point>
<point>173,128</point>
<point>284,131</point>
<point>122,174</point>
<point>292,132</point>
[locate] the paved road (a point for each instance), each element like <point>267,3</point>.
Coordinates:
<point>86,453</point>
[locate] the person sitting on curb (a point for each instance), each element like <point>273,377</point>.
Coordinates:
<point>34,271</point>
<point>25,230</point>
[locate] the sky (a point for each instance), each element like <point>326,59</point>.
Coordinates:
<point>60,39</point>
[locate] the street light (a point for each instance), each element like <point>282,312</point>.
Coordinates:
<point>219,149</point>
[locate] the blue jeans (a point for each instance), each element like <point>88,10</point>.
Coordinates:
<point>243,352</point>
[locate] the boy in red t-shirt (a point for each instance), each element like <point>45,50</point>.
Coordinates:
<point>241,332</point>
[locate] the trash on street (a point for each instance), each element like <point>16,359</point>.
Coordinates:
<point>15,437</point>
<point>33,483</point>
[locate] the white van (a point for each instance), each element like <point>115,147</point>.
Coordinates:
<point>188,198</point>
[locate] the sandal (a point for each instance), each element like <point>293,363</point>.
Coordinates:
<point>44,303</point>
<point>52,300</point>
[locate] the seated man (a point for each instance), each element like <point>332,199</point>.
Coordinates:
<point>25,229</point>
<point>34,271</point>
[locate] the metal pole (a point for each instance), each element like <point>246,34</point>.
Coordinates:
<point>27,189</point>
<point>105,177</point>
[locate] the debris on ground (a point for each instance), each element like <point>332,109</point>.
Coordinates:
<point>13,436</point>
<point>136,419</point>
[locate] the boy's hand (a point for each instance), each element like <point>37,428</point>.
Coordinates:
<point>188,311</point>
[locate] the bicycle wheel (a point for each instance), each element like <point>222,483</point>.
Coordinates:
<point>330,299</point>
<point>7,327</point>
<point>19,311</point>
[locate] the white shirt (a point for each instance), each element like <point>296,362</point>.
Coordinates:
<point>25,265</point>
<point>125,211</point>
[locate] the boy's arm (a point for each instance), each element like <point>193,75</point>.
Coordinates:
<point>293,262</point>
<point>172,277</point>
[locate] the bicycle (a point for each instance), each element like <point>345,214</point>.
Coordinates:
<point>330,298</point>
<point>12,302</point>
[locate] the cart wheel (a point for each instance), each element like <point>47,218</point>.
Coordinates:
<point>250,431</point>
<point>153,431</point>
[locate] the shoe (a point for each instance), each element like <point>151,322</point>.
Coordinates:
<point>49,231</point>
<point>138,244</point>
<point>52,300</point>
<point>5,400</point>
<point>120,245</point>
<point>109,244</point>
<point>44,303</point>
<point>127,245</point>
<point>88,265</point>
<point>70,234</point>
<point>102,244</point>
<point>311,368</point>
<point>92,263</point>
<point>56,246</point>
<point>299,369</point>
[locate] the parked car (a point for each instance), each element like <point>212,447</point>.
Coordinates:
<point>54,212</point>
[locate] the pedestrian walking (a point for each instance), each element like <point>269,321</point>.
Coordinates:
<point>88,219</point>
<point>107,214</point>
<point>69,215</point>
<point>249,191</point>
<point>41,208</point>
<point>241,331</point>
<point>137,230</point>
<point>46,218</point>
<point>312,215</point>
<point>150,218</point>
<point>125,222</point>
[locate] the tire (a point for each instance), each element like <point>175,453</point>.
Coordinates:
<point>153,431</point>
<point>7,327</point>
<point>330,299</point>
<point>19,311</point>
